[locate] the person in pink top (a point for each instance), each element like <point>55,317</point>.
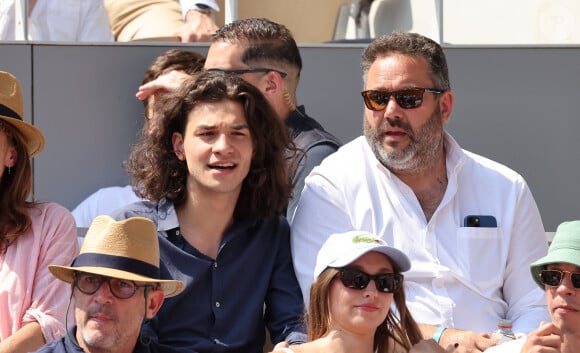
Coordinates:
<point>32,236</point>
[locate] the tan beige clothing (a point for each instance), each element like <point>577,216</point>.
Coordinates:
<point>142,19</point>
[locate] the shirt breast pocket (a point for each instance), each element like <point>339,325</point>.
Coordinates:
<point>481,256</point>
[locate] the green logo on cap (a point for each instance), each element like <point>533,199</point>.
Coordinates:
<point>365,239</point>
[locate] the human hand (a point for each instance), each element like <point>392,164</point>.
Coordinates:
<point>466,341</point>
<point>169,82</point>
<point>198,27</point>
<point>280,345</point>
<point>545,338</point>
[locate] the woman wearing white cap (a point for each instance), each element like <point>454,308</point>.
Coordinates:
<point>32,235</point>
<point>356,279</point>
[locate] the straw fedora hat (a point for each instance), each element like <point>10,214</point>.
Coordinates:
<point>12,111</point>
<point>126,249</point>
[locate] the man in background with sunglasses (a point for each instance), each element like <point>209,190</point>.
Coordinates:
<point>116,287</point>
<point>469,225</point>
<point>558,273</point>
<point>265,54</point>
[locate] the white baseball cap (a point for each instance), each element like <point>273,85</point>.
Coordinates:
<point>341,249</point>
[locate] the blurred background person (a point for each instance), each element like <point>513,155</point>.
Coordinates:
<point>58,20</point>
<point>183,20</point>
<point>32,236</point>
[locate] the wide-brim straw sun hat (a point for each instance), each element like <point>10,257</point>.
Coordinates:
<point>565,248</point>
<point>127,249</point>
<point>12,112</point>
<point>341,249</point>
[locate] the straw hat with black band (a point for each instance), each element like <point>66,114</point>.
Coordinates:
<point>12,112</point>
<point>126,249</point>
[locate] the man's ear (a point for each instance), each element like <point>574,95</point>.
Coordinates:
<point>446,106</point>
<point>274,83</point>
<point>155,298</point>
<point>177,141</point>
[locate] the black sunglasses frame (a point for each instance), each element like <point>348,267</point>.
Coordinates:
<point>409,98</point>
<point>112,287</point>
<point>356,279</point>
<point>545,275</point>
<point>246,71</point>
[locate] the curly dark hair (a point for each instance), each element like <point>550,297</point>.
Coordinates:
<point>157,173</point>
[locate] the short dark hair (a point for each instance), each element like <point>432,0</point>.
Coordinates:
<point>411,44</point>
<point>157,172</point>
<point>267,41</point>
<point>174,59</point>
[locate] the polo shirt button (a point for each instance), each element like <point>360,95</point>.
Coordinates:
<point>217,304</point>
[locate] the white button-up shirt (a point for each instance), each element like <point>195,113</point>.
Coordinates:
<point>462,277</point>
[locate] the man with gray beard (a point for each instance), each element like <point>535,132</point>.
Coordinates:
<point>116,286</point>
<point>469,225</point>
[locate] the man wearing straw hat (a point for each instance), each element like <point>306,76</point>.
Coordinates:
<point>116,287</point>
<point>558,273</point>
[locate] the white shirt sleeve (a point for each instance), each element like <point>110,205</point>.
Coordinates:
<point>318,215</point>
<point>526,305</point>
<point>186,5</point>
<point>103,201</point>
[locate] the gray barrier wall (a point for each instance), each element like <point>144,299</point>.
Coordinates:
<point>515,105</point>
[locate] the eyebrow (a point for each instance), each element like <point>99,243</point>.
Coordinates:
<point>240,126</point>
<point>234,126</point>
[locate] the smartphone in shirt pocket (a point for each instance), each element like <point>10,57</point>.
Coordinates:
<point>480,221</point>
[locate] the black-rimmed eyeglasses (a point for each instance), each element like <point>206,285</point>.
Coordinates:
<point>90,283</point>
<point>246,71</point>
